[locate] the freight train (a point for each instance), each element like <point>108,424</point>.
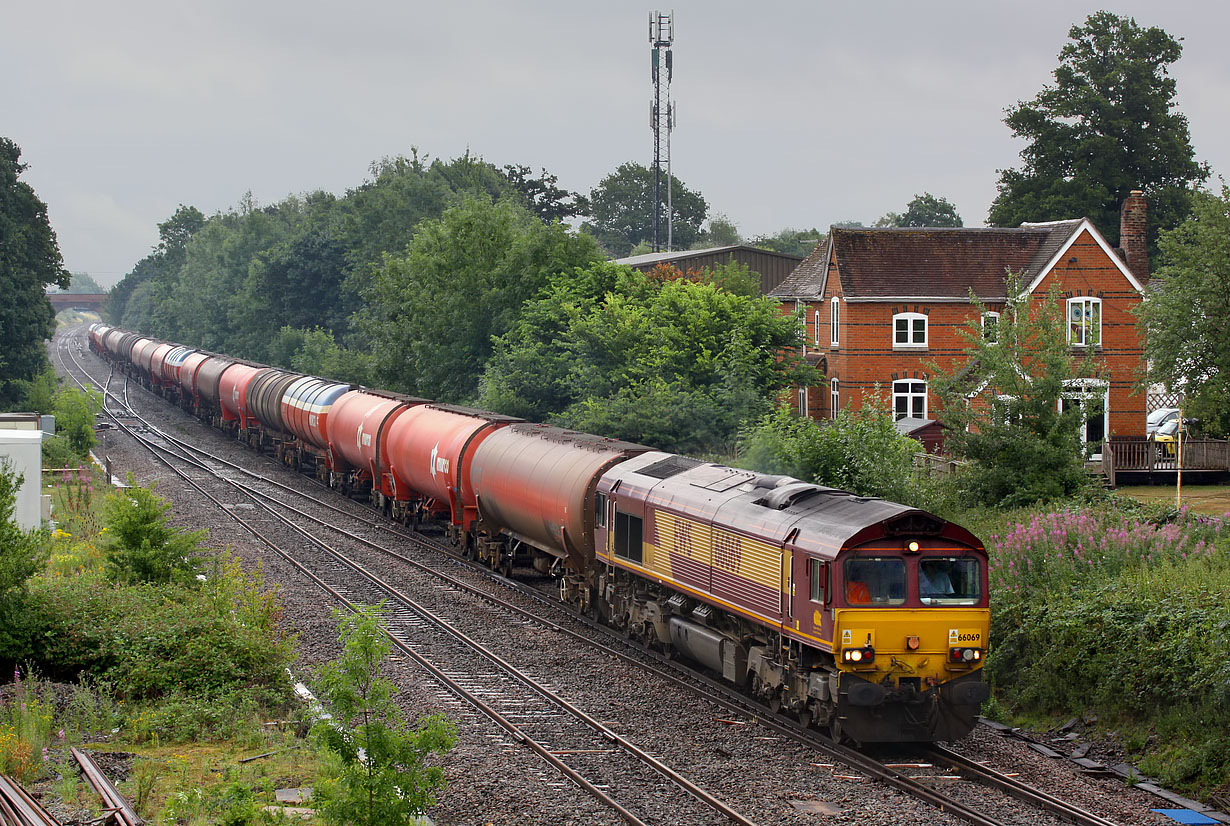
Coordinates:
<point>854,613</point>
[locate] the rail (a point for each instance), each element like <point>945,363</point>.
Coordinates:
<point>118,809</point>
<point>18,808</point>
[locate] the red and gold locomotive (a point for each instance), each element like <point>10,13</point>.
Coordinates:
<point>855,613</point>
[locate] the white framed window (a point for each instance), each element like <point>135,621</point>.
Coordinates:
<point>909,399</point>
<point>834,322</point>
<point>909,331</point>
<point>1084,321</point>
<point>803,401</point>
<point>990,326</point>
<point>816,331</point>
<point>834,399</point>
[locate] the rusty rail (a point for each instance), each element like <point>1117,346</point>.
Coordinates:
<point>118,810</point>
<point>18,808</point>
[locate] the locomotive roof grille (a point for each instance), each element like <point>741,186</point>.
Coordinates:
<point>668,467</point>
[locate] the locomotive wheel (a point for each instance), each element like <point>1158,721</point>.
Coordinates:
<point>775,703</point>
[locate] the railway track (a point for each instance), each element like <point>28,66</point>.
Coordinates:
<point>523,705</point>
<point>409,621</point>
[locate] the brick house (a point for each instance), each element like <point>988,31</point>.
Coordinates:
<point>882,303</point>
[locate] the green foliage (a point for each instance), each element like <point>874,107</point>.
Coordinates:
<point>622,206</point>
<point>83,282</point>
<point>211,654</point>
<point>860,451</point>
<point>22,553</point>
<point>924,210</point>
<point>38,395</point>
<point>433,313</point>
<point>1001,404</point>
<point>1187,343</point>
<point>75,411</point>
<point>670,362</point>
<point>791,241</point>
<point>29,263</point>
<point>160,265</point>
<point>1133,613</point>
<point>316,352</point>
<point>386,777</point>
<point>542,196</point>
<point>141,545</point>
<point>721,232</point>
<point>1106,127</point>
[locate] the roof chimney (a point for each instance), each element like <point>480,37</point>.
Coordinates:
<point>1132,222</point>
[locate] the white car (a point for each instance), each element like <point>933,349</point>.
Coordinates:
<point>1159,417</point>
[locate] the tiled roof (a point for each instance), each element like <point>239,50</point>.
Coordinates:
<point>807,280</point>
<point>928,262</point>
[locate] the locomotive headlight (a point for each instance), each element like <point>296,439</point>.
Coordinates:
<point>860,656</point>
<point>964,656</point>
<point>913,546</point>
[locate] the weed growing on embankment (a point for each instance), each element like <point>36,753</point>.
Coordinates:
<point>1123,611</point>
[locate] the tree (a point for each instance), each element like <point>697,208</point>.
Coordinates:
<point>673,362</point>
<point>1187,344</point>
<point>542,196</point>
<point>791,241</point>
<point>432,312</point>
<point>860,451</point>
<point>165,261</point>
<point>1001,404</point>
<point>84,283</point>
<point>30,262</point>
<point>75,411</point>
<point>924,210</point>
<point>384,777</point>
<point>621,210</point>
<point>721,232</point>
<point>1107,126</point>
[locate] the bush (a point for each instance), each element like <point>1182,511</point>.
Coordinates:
<point>1132,607</point>
<point>141,546</point>
<point>860,451</point>
<point>215,645</point>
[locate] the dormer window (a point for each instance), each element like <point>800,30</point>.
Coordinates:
<point>990,326</point>
<point>1084,321</point>
<point>909,331</point>
<point>834,322</point>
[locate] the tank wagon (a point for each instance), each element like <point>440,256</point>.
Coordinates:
<point>862,615</point>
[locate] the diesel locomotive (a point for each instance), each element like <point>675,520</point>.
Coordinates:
<point>853,613</point>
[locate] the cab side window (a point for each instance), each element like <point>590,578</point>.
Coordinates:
<point>818,574</point>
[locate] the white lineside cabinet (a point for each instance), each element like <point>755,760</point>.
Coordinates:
<point>23,451</point>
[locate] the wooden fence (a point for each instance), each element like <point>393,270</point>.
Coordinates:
<point>1148,456</point>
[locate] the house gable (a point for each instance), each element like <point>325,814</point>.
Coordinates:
<point>1085,226</point>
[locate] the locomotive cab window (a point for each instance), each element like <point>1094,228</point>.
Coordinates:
<point>818,574</point>
<point>949,580</point>
<point>628,530</point>
<point>874,580</point>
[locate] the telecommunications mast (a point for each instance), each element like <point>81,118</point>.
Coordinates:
<point>661,119</point>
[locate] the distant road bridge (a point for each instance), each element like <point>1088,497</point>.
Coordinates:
<point>77,301</point>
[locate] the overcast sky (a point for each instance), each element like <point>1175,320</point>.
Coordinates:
<point>791,114</point>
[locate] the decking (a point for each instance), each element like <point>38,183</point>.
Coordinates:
<point>1142,456</point>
